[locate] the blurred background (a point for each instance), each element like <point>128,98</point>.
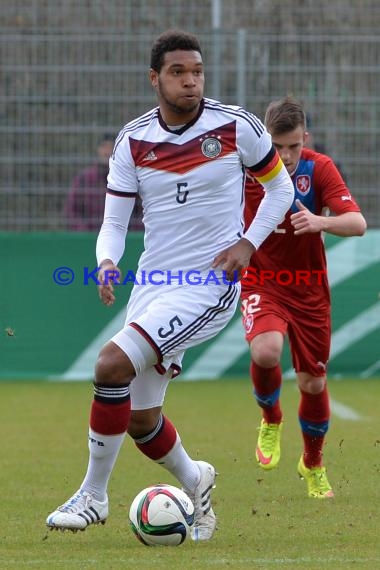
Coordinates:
<point>73,72</point>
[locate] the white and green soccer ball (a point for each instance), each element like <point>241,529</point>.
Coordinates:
<point>161,515</point>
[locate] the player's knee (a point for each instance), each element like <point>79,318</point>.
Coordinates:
<point>311,384</point>
<point>266,356</point>
<point>266,349</point>
<point>113,366</point>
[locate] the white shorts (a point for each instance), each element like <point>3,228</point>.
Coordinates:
<point>148,389</point>
<point>164,321</point>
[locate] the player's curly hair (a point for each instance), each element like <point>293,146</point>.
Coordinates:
<point>172,40</point>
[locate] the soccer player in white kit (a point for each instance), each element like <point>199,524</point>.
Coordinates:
<point>187,160</point>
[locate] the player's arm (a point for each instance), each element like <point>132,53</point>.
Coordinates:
<point>278,197</point>
<point>111,241</point>
<point>346,220</point>
<point>346,224</point>
<point>122,186</point>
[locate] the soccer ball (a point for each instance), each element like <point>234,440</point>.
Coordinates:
<point>161,514</point>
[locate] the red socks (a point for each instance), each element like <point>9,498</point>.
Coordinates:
<point>314,415</point>
<point>267,387</point>
<point>110,410</point>
<point>160,441</point>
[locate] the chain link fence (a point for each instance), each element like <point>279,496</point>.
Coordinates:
<point>72,71</point>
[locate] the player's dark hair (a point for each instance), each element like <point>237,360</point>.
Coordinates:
<point>172,40</point>
<point>284,115</point>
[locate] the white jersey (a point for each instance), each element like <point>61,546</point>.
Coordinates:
<point>191,181</point>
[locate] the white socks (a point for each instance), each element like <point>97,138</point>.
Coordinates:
<point>104,450</point>
<point>181,466</point>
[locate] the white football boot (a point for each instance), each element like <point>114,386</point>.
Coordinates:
<point>78,513</point>
<point>204,517</point>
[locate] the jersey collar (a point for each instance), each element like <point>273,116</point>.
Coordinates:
<point>186,126</point>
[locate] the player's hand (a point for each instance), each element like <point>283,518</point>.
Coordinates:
<point>234,259</point>
<point>109,275</point>
<point>304,222</point>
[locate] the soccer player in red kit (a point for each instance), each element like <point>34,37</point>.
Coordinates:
<point>285,292</point>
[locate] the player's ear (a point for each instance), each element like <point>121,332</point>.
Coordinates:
<point>307,139</point>
<point>153,76</point>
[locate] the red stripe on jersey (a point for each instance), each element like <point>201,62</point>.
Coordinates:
<point>148,339</point>
<point>160,369</point>
<point>176,370</point>
<point>181,158</point>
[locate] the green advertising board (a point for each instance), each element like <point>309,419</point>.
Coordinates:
<point>51,330</point>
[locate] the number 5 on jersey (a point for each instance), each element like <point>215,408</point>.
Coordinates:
<point>181,197</point>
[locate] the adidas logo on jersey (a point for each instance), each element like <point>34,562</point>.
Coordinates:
<point>150,156</point>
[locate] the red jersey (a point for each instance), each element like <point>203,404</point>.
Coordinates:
<point>293,268</point>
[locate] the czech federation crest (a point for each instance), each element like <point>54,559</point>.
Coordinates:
<point>303,184</point>
<point>248,323</point>
<point>211,147</point>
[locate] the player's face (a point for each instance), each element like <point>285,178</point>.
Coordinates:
<point>289,146</point>
<point>179,86</point>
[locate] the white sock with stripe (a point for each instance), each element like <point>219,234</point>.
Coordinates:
<point>104,450</point>
<point>178,462</point>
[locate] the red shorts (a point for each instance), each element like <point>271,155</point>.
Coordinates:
<point>308,330</point>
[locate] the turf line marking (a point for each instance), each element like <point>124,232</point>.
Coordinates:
<point>344,412</point>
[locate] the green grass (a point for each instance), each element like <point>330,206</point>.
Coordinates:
<point>265,519</point>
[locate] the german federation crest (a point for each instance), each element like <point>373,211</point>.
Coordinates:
<point>211,147</point>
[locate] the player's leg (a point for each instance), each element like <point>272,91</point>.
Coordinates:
<point>266,377</point>
<point>314,415</point>
<point>182,317</point>
<point>109,418</point>
<point>310,341</point>
<point>160,328</point>
<point>157,438</point>
<point>265,334</point>
<point>265,371</point>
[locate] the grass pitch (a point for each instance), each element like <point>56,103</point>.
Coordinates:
<point>265,519</point>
